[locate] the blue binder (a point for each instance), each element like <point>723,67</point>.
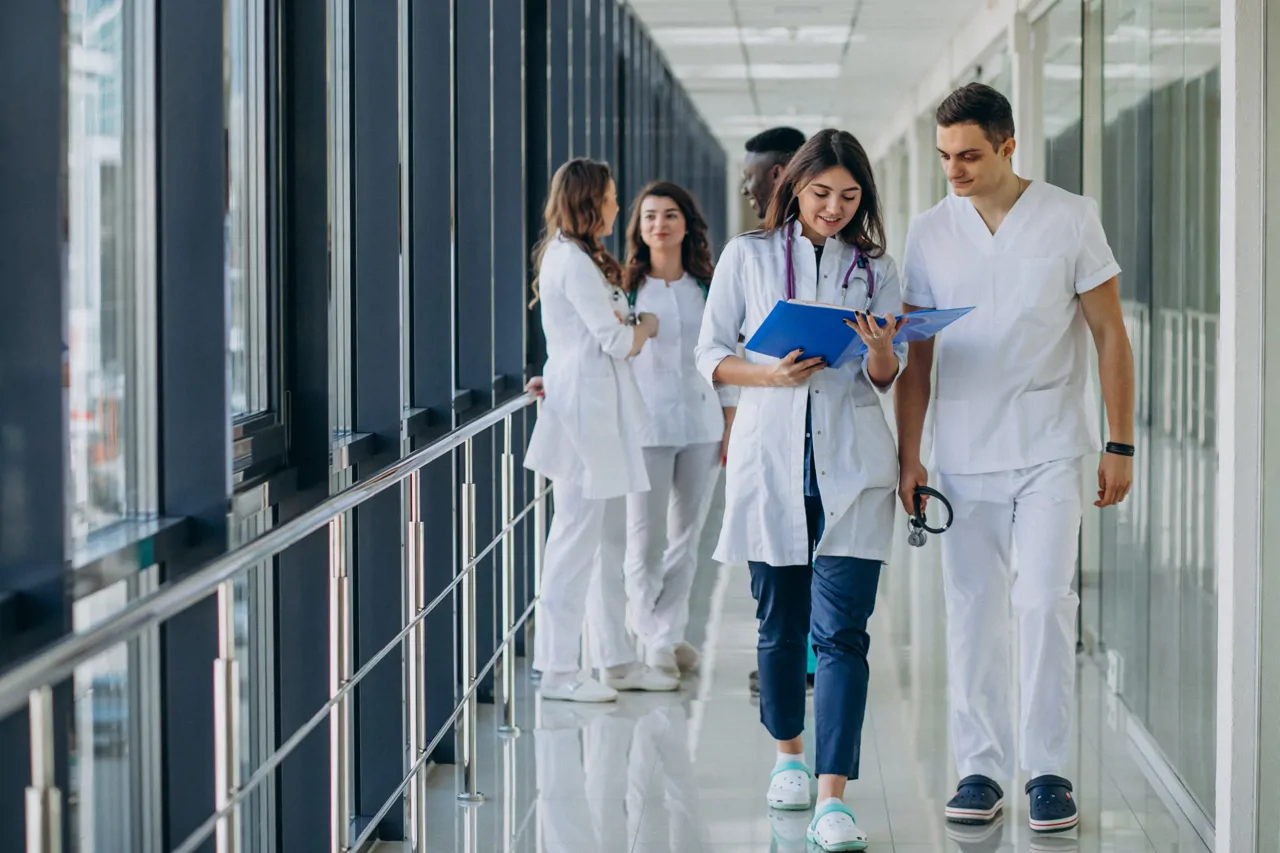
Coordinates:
<point>820,330</point>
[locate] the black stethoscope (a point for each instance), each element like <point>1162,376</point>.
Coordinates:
<point>917,525</point>
<point>859,262</point>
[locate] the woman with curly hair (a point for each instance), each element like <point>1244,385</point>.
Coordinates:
<point>669,268</point>
<point>586,441</point>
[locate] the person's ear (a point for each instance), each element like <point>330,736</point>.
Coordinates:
<point>775,172</point>
<point>1010,145</point>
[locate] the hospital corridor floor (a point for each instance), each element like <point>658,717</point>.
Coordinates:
<point>687,772</point>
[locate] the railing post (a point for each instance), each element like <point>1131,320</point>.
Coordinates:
<point>415,660</point>
<point>44,800</point>
<point>226,721</point>
<point>539,539</point>
<point>467,608</point>
<point>339,675</point>
<point>508,724</point>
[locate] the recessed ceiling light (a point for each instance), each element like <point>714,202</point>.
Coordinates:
<point>674,36</point>
<point>760,71</point>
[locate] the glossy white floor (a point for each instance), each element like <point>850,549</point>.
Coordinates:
<point>687,772</point>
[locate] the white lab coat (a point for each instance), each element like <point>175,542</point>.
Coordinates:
<point>685,407</point>
<point>856,459</point>
<point>593,414</point>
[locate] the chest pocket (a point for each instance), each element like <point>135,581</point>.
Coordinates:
<point>1042,282</point>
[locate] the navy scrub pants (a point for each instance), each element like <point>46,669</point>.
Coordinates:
<point>831,600</point>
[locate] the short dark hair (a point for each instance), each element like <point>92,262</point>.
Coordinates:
<point>781,141</point>
<point>981,105</point>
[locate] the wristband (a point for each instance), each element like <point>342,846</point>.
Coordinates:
<point>1119,449</point>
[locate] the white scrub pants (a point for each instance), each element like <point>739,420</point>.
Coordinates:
<point>664,525</point>
<point>1036,511</point>
<point>583,561</point>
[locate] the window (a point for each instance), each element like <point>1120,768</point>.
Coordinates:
<point>110,261</point>
<point>245,226</point>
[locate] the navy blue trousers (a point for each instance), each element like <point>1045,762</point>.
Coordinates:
<point>830,601</point>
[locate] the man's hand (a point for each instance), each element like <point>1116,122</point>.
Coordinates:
<point>1115,476</point>
<point>535,387</point>
<point>912,474</point>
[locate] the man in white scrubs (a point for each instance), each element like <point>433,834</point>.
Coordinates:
<point>1014,421</point>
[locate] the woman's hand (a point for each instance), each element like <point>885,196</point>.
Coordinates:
<point>729,413</point>
<point>790,372</point>
<point>535,387</point>
<point>878,338</point>
<point>649,324</point>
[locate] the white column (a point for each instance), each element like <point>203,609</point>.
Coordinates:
<point>1241,433</point>
<point>1028,100</point>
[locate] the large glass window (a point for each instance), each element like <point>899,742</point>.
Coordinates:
<point>245,218</point>
<point>110,260</point>
<point>1060,48</point>
<point>1160,208</point>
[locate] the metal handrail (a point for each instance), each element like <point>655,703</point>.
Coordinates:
<point>276,758</point>
<point>60,660</point>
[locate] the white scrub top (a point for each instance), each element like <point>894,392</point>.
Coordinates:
<point>589,430</point>
<point>854,452</point>
<point>1014,383</point>
<point>685,408</point>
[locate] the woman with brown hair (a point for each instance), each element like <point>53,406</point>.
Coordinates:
<point>669,268</point>
<point>586,440</point>
<point>812,469</point>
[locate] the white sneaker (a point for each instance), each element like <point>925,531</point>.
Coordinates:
<point>640,677</point>
<point>791,787</point>
<point>664,660</point>
<point>687,657</point>
<point>577,689</point>
<point>834,829</point>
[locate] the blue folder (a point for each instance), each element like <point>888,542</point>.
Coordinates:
<point>820,330</point>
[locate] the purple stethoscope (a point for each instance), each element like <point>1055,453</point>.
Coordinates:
<point>859,260</point>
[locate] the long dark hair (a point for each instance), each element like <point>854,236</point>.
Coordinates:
<point>695,250</point>
<point>575,209</point>
<point>828,149</point>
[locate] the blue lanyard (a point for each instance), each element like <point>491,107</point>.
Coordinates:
<point>859,260</point>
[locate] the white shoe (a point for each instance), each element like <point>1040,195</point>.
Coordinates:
<point>791,787</point>
<point>664,660</point>
<point>640,677</point>
<point>577,689</point>
<point>687,657</point>
<point>834,829</point>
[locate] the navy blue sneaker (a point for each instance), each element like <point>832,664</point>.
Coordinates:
<point>977,801</point>
<point>1053,809</point>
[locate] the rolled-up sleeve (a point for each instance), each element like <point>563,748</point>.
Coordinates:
<point>724,315</point>
<point>588,293</point>
<point>888,300</point>
<point>1095,262</point>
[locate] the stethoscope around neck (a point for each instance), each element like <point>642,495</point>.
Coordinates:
<point>859,262</point>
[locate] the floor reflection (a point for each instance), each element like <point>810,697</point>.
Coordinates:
<point>687,772</point>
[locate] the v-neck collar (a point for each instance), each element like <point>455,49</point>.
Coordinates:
<point>983,235</point>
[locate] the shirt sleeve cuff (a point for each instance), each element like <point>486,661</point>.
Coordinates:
<point>900,350</point>
<point>917,298</point>
<point>1099,278</point>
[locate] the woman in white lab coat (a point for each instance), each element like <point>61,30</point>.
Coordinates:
<point>669,268</point>
<point>812,467</point>
<point>586,440</point>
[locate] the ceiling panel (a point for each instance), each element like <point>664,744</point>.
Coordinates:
<point>753,64</point>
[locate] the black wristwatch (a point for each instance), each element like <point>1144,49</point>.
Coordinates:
<point>1119,449</point>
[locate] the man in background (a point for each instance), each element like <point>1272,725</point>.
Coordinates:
<point>768,154</point>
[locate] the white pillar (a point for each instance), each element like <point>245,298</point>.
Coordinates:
<point>1028,101</point>
<point>1240,520</point>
